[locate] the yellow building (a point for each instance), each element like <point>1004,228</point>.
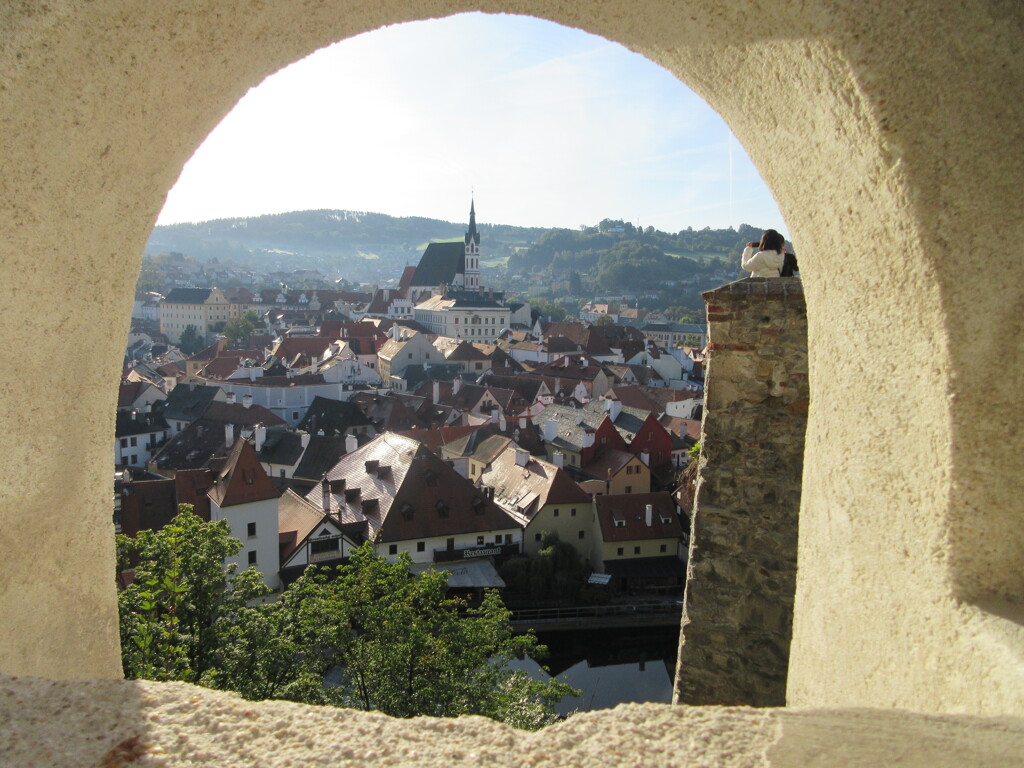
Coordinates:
<point>199,307</point>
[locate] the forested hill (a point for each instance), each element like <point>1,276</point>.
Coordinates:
<point>344,240</point>
<point>374,247</point>
<point>581,250</point>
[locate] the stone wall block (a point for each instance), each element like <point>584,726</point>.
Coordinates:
<point>738,601</point>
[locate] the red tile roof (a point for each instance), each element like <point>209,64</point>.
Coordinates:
<point>243,479</point>
<point>622,517</point>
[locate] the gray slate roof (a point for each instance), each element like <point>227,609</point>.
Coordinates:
<point>187,402</point>
<point>440,263</point>
<point>187,296</point>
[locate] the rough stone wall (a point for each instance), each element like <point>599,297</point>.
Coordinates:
<point>889,132</point>
<point>741,579</point>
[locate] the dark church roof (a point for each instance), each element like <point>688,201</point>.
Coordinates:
<point>440,263</point>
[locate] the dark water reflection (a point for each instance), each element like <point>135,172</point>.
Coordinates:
<point>612,666</point>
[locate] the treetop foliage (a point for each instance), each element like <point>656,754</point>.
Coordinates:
<point>366,635</point>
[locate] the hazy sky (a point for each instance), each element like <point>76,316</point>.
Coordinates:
<point>545,125</point>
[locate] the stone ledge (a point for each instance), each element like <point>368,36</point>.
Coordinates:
<point>756,286</point>
<point>114,723</point>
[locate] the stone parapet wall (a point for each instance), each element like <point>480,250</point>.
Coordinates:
<point>741,579</point>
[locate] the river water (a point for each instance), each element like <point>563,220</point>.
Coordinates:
<point>611,666</point>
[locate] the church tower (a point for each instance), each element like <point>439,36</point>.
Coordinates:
<point>472,278</point>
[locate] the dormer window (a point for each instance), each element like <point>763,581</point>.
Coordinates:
<point>442,509</point>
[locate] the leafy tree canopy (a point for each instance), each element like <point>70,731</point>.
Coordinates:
<point>367,636</point>
<point>190,341</point>
<point>239,329</point>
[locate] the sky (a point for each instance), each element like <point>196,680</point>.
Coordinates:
<point>542,124</point>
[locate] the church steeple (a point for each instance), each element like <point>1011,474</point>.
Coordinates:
<point>471,233</point>
<point>472,256</point>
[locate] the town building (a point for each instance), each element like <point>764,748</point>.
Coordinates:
<point>243,495</point>
<point>396,493</point>
<point>639,539</point>
<point>543,495</point>
<point>202,308</point>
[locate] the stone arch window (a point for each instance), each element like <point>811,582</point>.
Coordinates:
<point>881,123</point>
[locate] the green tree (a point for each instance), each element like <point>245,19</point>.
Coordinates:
<point>604,320</point>
<point>241,328</point>
<point>556,573</point>
<point>181,589</point>
<point>367,636</point>
<point>404,648</point>
<point>190,340</point>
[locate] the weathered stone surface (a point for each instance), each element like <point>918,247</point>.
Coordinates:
<point>117,724</point>
<point>738,614</point>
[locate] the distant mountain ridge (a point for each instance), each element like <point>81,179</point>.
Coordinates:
<point>332,239</point>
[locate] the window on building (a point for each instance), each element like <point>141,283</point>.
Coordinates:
<point>450,544</point>
<point>556,512</point>
<point>134,442</point>
<point>636,550</point>
<point>536,537</point>
<point>124,442</point>
<point>508,538</point>
<point>252,557</point>
<point>664,548</point>
<point>619,551</point>
<point>135,458</point>
<point>479,541</point>
<point>392,549</point>
<point>250,530</point>
<point>573,513</point>
<point>421,546</point>
<point>581,535</point>
<point>629,489</point>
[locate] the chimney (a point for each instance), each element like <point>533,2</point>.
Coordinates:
<point>522,422</point>
<point>247,401</point>
<point>229,434</point>
<point>252,374</point>
<point>494,416</point>
<point>304,439</point>
<point>614,409</point>
<point>558,459</point>
<point>588,438</point>
<point>649,515</point>
<point>261,435</point>
<point>436,391</point>
<point>456,385</point>
<point>522,457</point>
<point>351,443</point>
<point>326,488</point>
<point>231,398</point>
<point>502,423</point>
<point>550,430</point>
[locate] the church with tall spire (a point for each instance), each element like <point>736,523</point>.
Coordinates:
<point>472,253</point>
<point>451,265</point>
<point>449,298</point>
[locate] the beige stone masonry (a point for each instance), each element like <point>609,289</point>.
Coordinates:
<point>117,724</point>
<point>889,132</point>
